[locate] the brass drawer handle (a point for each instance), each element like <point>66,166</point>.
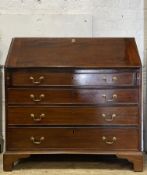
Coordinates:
<point>114,97</point>
<point>37,81</point>
<point>108,118</point>
<point>32,96</point>
<point>108,141</point>
<point>114,78</point>
<point>37,119</point>
<point>37,141</point>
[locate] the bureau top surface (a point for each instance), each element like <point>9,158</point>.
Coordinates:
<point>73,53</point>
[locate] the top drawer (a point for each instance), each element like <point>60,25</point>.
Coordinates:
<point>75,78</point>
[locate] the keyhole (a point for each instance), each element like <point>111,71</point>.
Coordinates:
<point>73,131</point>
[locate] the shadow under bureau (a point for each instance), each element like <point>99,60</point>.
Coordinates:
<point>73,96</point>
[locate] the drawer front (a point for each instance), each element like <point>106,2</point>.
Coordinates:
<point>44,78</point>
<point>72,96</point>
<point>101,139</point>
<point>73,115</point>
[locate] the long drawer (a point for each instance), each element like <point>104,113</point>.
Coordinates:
<point>101,139</point>
<point>71,96</point>
<point>46,78</point>
<point>78,115</point>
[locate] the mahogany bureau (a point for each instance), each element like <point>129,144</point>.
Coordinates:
<point>73,96</point>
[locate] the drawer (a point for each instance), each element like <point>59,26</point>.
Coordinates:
<point>128,115</point>
<point>72,96</point>
<point>46,78</point>
<point>101,139</point>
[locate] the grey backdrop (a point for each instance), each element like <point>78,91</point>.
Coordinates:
<point>1,139</point>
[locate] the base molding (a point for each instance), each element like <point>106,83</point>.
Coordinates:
<point>136,158</point>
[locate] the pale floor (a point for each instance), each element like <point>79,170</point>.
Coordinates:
<point>56,166</point>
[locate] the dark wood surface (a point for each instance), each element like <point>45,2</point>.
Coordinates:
<point>73,52</point>
<point>72,96</point>
<point>67,95</point>
<point>69,115</point>
<point>72,137</point>
<point>62,78</point>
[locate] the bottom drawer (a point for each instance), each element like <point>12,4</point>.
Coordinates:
<point>66,138</point>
